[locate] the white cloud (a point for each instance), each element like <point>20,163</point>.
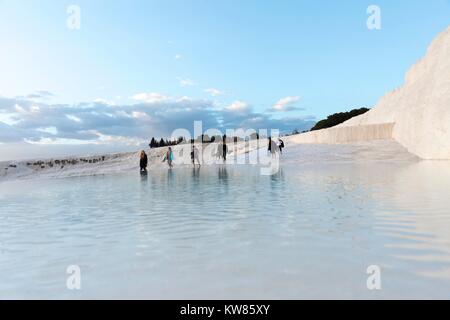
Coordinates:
<point>73,118</point>
<point>178,57</point>
<point>185,82</point>
<point>30,110</point>
<point>108,139</point>
<point>140,115</point>
<point>104,101</point>
<point>35,109</point>
<point>50,130</point>
<point>183,99</point>
<point>238,106</point>
<point>151,97</point>
<point>40,95</point>
<point>8,118</point>
<point>215,92</point>
<point>19,109</point>
<point>286,104</point>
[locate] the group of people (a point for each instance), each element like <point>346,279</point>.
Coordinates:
<point>222,151</point>
<point>169,157</point>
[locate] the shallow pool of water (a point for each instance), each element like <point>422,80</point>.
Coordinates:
<point>310,231</point>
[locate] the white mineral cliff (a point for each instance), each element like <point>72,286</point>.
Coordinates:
<point>416,115</point>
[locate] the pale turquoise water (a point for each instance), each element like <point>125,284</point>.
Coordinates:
<point>310,231</point>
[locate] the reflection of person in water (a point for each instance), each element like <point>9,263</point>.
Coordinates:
<point>170,176</point>
<point>144,176</point>
<point>278,176</point>
<point>143,161</point>
<point>223,173</point>
<point>196,172</point>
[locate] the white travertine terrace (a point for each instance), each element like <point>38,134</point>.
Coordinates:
<point>347,134</point>
<point>418,114</point>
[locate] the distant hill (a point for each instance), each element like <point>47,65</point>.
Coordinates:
<point>338,118</point>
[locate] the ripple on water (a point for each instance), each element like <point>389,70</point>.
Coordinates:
<point>228,232</point>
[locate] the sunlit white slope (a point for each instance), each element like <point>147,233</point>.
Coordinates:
<point>420,110</point>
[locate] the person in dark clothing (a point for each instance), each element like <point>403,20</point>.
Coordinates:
<point>143,161</point>
<point>225,148</point>
<point>281,145</point>
<point>269,149</point>
<point>195,155</point>
<point>272,148</point>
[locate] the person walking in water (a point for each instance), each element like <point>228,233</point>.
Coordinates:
<point>224,148</point>
<point>219,152</point>
<point>272,148</point>
<point>195,156</point>
<point>169,157</point>
<point>269,142</point>
<point>143,161</point>
<point>280,145</point>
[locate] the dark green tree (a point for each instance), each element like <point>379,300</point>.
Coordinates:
<point>338,118</point>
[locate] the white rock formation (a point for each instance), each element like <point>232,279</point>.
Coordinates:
<point>420,110</point>
<point>346,134</point>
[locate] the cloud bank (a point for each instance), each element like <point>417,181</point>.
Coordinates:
<point>152,115</point>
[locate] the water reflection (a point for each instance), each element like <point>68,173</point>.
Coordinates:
<point>278,176</point>
<point>414,209</point>
<point>223,173</point>
<point>184,233</point>
<point>144,176</point>
<point>196,173</point>
<point>170,175</point>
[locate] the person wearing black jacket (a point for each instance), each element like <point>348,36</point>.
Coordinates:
<point>269,142</point>
<point>224,149</point>
<point>143,161</point>
<point>281,145</point>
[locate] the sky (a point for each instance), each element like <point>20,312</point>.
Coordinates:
<point>137,69</point>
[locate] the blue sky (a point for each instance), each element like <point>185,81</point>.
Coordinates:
<point>281,62</point>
